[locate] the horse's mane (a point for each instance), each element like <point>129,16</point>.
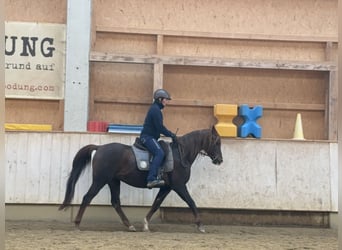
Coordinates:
<point>194,136</point>
<point>192,143</point>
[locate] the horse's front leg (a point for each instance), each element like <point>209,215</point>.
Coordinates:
<point>163,192</point>
<point>184,194</point>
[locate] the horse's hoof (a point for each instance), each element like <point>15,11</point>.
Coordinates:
<point>131,228</point>
<point>145,226</point>
<point>201,229</point>
<point>63,207</point>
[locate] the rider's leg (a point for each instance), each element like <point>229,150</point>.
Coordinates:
<point>158,155</point>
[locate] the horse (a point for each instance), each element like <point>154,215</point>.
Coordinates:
<point>116,162</point>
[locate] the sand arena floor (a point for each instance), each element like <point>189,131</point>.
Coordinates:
<point>61,235</point>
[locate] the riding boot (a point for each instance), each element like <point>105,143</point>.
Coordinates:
<point>158,155</point>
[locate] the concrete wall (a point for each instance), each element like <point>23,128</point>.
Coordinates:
<point>256,174</point>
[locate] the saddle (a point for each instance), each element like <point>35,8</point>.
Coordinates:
<point>143,156</point>
<point>165,146</point>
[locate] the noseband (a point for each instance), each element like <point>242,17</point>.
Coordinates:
<point>208,152</point>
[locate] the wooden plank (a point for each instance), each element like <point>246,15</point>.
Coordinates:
<point>44,166</point>
<point>12,162</point>
<point>116,58</point>
<point>34,152</point>
<point>158,69</point>
<point>56,187</point>
<point>21,168</point>
<point>64,162</point>
<point>108,29</point>
<point>211,62</point>
<point>331,96</point>
<point>158,74</point>
<point>201,103</point>
<point>60,116</point>
<point>93,28</point>
<point>332,106</point>
<point>122,100</point>
<point>329,51</point>
<point>160,44</point>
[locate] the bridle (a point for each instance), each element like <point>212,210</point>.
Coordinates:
<point>209,151</point>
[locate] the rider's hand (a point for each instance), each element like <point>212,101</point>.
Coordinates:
<point>174,138</point>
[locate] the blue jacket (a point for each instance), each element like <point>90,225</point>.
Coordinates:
<point>153,124</point>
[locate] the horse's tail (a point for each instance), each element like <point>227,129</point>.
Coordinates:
<point>82,158</point>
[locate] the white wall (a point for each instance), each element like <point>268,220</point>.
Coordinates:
<point>255,174</point>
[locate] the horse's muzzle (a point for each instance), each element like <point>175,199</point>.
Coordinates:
<point>217,160</point>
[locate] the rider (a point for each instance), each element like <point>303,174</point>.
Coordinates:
<point>152,128</point>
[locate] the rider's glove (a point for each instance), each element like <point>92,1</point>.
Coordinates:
<point>174,138</point>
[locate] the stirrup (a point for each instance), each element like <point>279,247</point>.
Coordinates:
<point>155,183</point>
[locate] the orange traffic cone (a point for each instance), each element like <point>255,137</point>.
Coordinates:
<point>298,131</point>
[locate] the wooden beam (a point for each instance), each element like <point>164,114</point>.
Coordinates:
<point>122,100</point>
<point>158,68</point>
<point>329,51</point>
<point>158,73</point>
<point>242,36</point>
<point>211,62</point>
<point>332,106</point>
<point>209,104</point>
<point>331,97</point>
<point>120,58</point>
<point>160,44</point>
<point>93,29</point>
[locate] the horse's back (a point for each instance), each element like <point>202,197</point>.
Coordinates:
<point>117,161</point>
<point>112,149</point>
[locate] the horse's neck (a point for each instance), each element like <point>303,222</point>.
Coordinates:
<point>194,143</point>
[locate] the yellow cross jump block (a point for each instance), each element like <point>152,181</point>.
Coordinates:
<point>28,127</point>
<point>225,113</point>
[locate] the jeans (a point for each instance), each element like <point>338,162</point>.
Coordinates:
<point>158,155</point>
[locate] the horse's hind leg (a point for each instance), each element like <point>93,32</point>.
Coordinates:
<point>92,192</point>
<point>163,192</point>
<point>114,186</point>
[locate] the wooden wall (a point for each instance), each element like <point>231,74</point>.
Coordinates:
<point>208,52</point>
<point>281,55</point>
<point>271,17</point>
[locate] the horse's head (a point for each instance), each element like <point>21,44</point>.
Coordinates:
<point>214,148</point>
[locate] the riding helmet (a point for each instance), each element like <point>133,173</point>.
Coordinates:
<point>161,93</point>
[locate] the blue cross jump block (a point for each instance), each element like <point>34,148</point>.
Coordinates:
<point>250,126</point>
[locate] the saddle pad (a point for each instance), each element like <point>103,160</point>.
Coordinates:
<point>143,159</point>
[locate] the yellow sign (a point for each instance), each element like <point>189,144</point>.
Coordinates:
<point>34,60</point>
